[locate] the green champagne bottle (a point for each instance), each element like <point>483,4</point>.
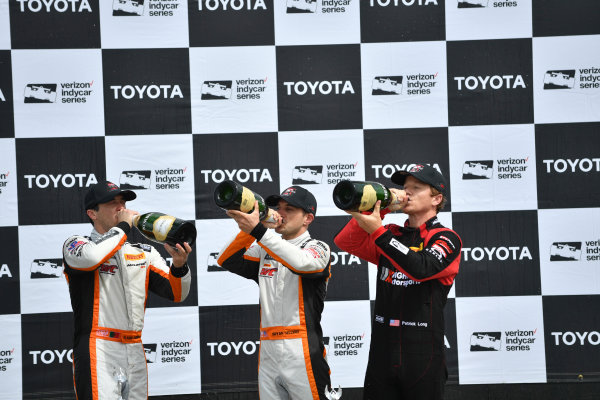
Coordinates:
<point>162,228</point>
<point>230,195</point>
<point>361,195</point>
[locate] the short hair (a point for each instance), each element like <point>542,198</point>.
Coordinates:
<point>435,192</point>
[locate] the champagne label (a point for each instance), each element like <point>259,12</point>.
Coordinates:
<point>162,226</point>
<point>247,203</point>
<point>368,199</point>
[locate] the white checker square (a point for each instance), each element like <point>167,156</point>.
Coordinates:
<point>404,85</point>
<point>8,183</point>
<point>492,167</point>
<point>233,89</point>
<point>58,93</point>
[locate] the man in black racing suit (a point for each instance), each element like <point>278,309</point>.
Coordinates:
<point>416,266</point>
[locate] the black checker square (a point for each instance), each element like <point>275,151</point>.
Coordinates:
<point>7,119</point>
<point>402,20</point>
<point>568,156</point>
<point>9,271</point>
<point>500,253</point>
<point>54,24</point>
<point>391,150</point>
<point>233,23</point>
<point>490,82</point>
<point>319,87</point>
<point>565,18</point>
<point>229,346</point>
<point>59,179</point>
<point>250,159</point>
<point>146,91</point>
<point>451,340</point>
<point>47,343</point>
<point>571,337</point>
<point>349,274</point>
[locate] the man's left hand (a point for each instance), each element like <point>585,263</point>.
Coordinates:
<point>368,222</point>
<point>179,253</point>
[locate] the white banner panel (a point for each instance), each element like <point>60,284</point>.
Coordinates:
<point>488,171</point>
<point>404,85</point>
<point>347,335</point>
<point>500,340</point>
<point>158,168</point>
<point>10,357</point>
<point>566,82</point>
<point>58,93</point>
<point>172,344</point>
<point>217,286</point>
<point>306,159</point>
<point>569,251</point>
<point>8,183</point>
<point>233,89</point>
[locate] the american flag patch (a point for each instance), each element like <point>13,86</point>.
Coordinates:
<point>394,322</point>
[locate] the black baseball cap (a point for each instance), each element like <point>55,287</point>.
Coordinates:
<point>104,192</point>
<point>296,196</point>
<point>424,173</point>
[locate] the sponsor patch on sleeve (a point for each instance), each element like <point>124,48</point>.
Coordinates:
<point>317,250</point>
<point>399,246</point>
<point>74,247</point>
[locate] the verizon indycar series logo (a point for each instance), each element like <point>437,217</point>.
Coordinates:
<point>307,174</point>
<point>156,8</point>
<point>6,358</point>
<point>135,179</point>
<point>244,89</point>
<point>166,178</point>
<point>70,92</point>
<point>170,352</point>
<point>46,268</point>
<point>4,180</point>
<point>517,340</point>
<point>216,90</point>
<point>478,169</point>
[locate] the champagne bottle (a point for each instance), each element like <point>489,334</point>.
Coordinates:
<point>163,228</point>
<point>230,195</point>
<point>361,196</point>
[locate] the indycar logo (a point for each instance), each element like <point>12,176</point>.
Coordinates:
<point>472,3</point>
<point>128,7</point>
<point>308,174</point>
<point>135,179</point>
<point>212,264</point>
<point>46,268</point>
<point>150,352</point>
<point>40,93</point>
<point>486,341</point>
<point>301,6</point>
<point>216,90</point>
<point>565,251</point>
<point>564,79</point>
<point>478,169</point>
<point>386,85</point>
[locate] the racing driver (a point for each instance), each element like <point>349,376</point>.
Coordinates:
<point>292,273</point>
<point>108,281</point>
<point>416,266</point>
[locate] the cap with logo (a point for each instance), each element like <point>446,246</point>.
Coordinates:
<point>296,196</point>
<point>424,173</point>
<point>104,192</point>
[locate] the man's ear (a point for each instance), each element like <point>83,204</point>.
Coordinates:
<point>437,199</point>
<point>91,214</point>
<point>309,218</point>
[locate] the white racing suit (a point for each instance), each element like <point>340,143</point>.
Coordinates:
<point>108,282</point>
<point>292,276</point>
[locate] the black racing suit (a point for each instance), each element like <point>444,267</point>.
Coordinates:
<point>415,270</point>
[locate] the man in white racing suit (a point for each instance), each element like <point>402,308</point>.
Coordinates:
<point>108,281</point>
<point>292,273</point>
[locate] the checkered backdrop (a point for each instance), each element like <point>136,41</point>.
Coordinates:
<point>171,97</point>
